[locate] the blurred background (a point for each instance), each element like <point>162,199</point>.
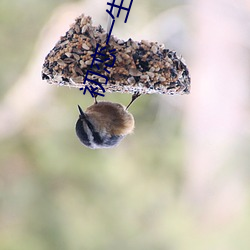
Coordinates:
<point>180,182</point>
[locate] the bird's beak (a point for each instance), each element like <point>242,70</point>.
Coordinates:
<point>82,115</point>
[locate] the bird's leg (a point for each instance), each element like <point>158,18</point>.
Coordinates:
<point>95,96</point>
<point>134,97</point>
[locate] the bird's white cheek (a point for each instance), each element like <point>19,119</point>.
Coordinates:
<point>89,134</point>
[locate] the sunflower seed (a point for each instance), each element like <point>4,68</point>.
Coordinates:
<point>154,49</point>
<point>134,72</point>
<point>85,46</point>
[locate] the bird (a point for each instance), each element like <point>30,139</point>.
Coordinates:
<point>104,124</point>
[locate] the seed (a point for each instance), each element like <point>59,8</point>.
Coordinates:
<point>77,57</point>
<point>146,42</point>
<point>89,62</point>
<point>77,29</point>
<point>125,56</point>
<point>102,80</point>
<point>120,42</point>
<point>150,74</point>
<point>94,77</point>
<point>131,80</point>
<point>78,79</point>
<point>135,45</point>
<point>162,46</point>
<point>82,62</point>
<point>84,29</point>
<point>134,72</point>
<point>78,70</point>
<point>83,21</point>
<point>119,58</point>
<point>69,60</point>
<point>128,50</point>
<point>144,78</point>
<point>85,46</point>
<point>68,54</point>
<point>91,32</point>
<point>92,43</point>
<point>64,43</point>
<point>103,37</point>
<point>61,62</point>
<point>154,49</point>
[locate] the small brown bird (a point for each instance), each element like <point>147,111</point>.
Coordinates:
<point>104,124</point>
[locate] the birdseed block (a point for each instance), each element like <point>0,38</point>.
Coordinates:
<point>144,67</point>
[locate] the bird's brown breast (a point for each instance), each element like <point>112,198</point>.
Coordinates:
<point>111,117</point>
